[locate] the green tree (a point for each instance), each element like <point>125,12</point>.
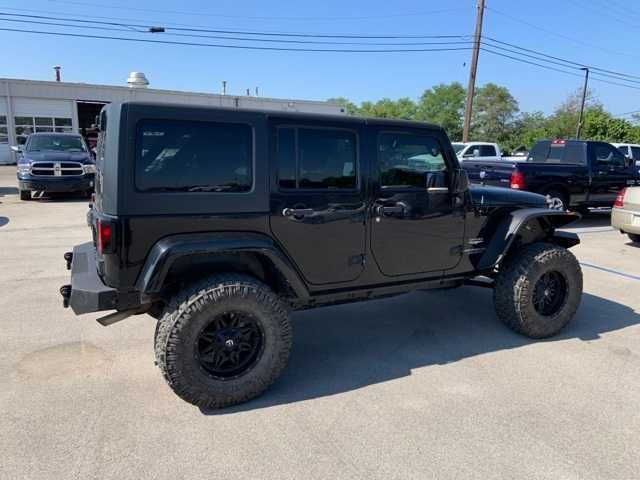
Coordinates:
<point>564,120</point>
<point>494,113</point>
<point>386,108</point>
<point>349,107</point>
<point>443,104</point>
<point>528,128</point>
<point>601,125</point>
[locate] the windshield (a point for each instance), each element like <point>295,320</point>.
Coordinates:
<point>55,143</point>
<point>457,147</point>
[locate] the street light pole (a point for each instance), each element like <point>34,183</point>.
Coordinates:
<point>584,97</point>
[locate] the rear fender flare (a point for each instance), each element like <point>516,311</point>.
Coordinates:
<point>167,251</point>
<point>514,224</point>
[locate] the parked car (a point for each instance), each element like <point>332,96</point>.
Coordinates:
<point>629,150</point>
<point>572,173</point>
<point>54,162</point>
<point>625,215</point>
<point>219,222</point>
<point>477,150</point>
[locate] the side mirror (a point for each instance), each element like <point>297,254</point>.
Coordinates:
<point>16,148</point>
<point>476,152</point>
<point>460,182</point>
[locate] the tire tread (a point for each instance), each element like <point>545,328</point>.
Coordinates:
<point>176,319</point>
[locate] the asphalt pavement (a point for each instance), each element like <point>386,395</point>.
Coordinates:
<point>426,385</point>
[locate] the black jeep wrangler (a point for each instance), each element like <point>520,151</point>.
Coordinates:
<point>220,222</point>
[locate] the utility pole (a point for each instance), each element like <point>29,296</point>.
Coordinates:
<point>471,89</point>
<point>584,97</point>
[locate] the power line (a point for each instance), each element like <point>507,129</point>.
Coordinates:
<point>238,32</point>
<point>226,37</point>
<point>626,114</point>
<point>559,35</point>
<point>577,64</point>
<point>547,67</point>
<point>606,12</point>
<point>238,47</point>
<point>554,59</point>
<point>249,17</point>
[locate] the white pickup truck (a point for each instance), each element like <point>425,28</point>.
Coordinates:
<point>484,151</point>
<point>477,151</point>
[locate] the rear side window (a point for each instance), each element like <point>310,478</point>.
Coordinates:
<point>556,152</point>
<point>187,156</point>
<point>574,152</point>
<point>538,153</point>
<point>635,153</point>
<point>316,158</point>
<point>487,151</point>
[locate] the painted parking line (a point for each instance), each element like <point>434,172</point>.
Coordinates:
<point>590,229</point>
<point>611,270</point>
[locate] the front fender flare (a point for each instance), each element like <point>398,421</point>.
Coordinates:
<point>510,226</point>
<point>169,249</point>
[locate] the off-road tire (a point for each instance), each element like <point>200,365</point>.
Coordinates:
<point>634,237</point>
<point>191,310</point>
<point>25,195</point>
<point>515,285</point>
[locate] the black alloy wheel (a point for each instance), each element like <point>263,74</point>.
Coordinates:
<point>230,345</point>
<point>550,293</point>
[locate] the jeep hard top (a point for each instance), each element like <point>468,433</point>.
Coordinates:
<point>219,222</point>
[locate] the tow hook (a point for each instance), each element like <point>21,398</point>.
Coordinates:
<point>65,291</point>
<point>68,256</point>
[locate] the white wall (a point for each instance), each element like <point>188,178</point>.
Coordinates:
<point>5,152</point>
<point>32,107</point>
<point>57,99</point>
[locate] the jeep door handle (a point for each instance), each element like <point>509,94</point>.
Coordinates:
<point>297,212</point>
<point>398,208</point>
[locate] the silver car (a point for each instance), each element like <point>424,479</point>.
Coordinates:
<point>625,215</point>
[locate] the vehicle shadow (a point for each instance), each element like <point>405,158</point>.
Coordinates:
<point>61,197</point>
<point>592,220</point>
<point>344,348</point>
<point>8,191</point>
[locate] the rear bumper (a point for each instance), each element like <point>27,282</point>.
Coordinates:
<point>57,184</point>
<point>625,220</point>
<point>87,293</point>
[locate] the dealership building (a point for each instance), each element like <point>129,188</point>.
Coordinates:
<point>28,106</point>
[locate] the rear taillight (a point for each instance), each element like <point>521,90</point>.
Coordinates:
<point>517,180</point>
<point>619,203</point>
<point>104,238</point>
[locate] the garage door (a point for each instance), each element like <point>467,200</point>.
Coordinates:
<point>39,115</point>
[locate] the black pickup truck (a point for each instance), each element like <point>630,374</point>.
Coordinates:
<point>573,173</point>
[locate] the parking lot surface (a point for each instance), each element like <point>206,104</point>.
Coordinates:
<point>427,385</point>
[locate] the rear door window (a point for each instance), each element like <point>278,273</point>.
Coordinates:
<point>635,153</point>
<point>316,158</point>
<point>191,156</point>
<point>624,150</point>
<point>607,156</point>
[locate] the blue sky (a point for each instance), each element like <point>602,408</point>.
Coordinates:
<point>603,33</point>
